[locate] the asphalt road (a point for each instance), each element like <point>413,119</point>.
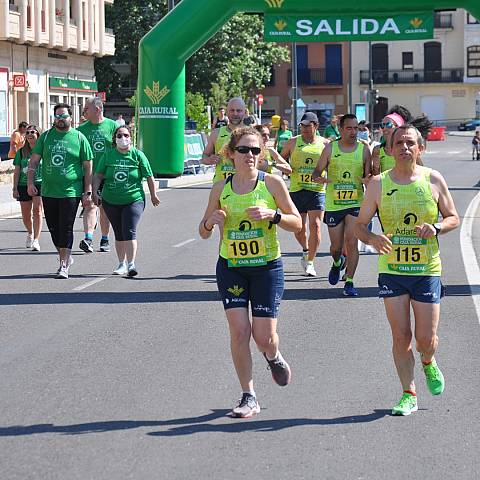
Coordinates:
<point>132,378</point>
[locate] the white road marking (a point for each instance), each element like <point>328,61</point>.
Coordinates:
<point>89,284</point>
<point>181,244</point>
<point>468,253</point>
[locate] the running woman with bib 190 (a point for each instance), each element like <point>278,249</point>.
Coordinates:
<point>220,137</point>
<point>408,199</point>
<point>308,196</point>
<point>348,163</point>
<point>249,269</point>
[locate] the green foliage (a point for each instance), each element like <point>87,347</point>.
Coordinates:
<point>132,101</point>
<point>107,78</point>
<point>195,110</point>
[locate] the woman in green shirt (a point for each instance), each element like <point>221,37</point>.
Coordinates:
<point>283,136</point>
<point>31,206</point>
<point>123,168</point>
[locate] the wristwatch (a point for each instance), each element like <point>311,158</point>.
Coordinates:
<point>276,219</point>
<point>438,228</point>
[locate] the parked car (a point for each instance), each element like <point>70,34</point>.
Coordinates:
<point>4,147</point>
<point>469,125</point>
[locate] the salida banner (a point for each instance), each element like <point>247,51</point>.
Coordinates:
<point>316,28</point>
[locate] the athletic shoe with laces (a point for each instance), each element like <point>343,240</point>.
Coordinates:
<point>132,270</point>
<point>29,241</point>
<point>86,245</point>
<point>304,260</point>
<point>434,378</point>
<point>36,246</point>
<point>63,271</point>
<point>334,274</point>
<point>280,369</point>
<point>349,290</point>
<point>247,407</point>
<point>406,405</point>
<point>310,270</point>
<point>121,269</point>
<point>70,263</point>
<point>104,245</point>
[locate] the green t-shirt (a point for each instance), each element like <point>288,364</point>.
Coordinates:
<point>331,131</point>
<point>22,162</point>
<point>123,174</point>
<point>63,154</point>
<point>99,135</point>
<point>283,136</point>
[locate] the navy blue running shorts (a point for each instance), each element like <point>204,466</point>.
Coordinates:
<point>23,195</point>
<point>261,286</point>
<point>306,200</point>
<point>335,218</point>
<point>422,288</point>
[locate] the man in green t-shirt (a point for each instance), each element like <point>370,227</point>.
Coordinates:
<point>66,178</point>
<point>99,132</point>
<point>331,131</point>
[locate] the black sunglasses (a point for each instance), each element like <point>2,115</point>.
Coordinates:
<point>245,149</point>
<point>31,132</point>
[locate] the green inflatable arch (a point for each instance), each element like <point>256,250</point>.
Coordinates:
<point>164,50</point>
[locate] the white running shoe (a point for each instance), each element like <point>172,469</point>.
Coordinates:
<point>132,269</point>
<point>121,269</point>
<point>36,246</point>
<point>310,270</point>
<point>63,271</point>
<point>70,263</point>
<point>29,241</point>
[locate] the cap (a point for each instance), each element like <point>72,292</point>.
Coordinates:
<point>308,118</point>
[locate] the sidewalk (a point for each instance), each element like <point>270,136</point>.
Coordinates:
<point>9,206</point>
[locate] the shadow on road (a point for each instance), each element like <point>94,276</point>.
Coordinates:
<point>188,426</point>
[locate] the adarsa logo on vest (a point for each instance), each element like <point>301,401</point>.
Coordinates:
<point>156,95</point>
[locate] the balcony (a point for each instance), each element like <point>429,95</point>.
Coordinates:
<point>443,20</point>
<point>446,75</point>
<point>109,45</point>
<point>312,77</point>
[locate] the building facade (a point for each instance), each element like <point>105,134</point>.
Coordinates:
<point>47,50</point>
<point>439,77</point>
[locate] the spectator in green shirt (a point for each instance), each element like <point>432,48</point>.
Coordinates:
<point>99,132</point>
<point>331,132</point>
<point>283,135</point>
<point>122,169</point>
<point>66,179</point>
<point>31,206</point>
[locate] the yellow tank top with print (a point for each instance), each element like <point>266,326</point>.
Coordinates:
<point>224,168</point>
<point>402,207</point>
<point>245,242</point>
<point>345,170</point>
<point>303,161</point>
<point>386,161</point>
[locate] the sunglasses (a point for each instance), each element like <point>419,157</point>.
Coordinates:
<point>120,135</point>
<point>387,125</point>
<point>62,116</point>
<point>31,132</point>
<point>244,149</point>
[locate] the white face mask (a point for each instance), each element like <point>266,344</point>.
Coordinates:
<point>363,135</point>
<point>124,142</point>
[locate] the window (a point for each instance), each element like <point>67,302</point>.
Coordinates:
<point>29,15</point>
<point>473,61</point>
<point>407,60</point>
<point>471,20</point>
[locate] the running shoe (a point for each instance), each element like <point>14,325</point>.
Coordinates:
<point>304,260</point>
<point>434,378</point>
<point>70,263</point>
<point>406,405</point>
<point>132,270</point>
<point>104,245</point>
<point>63,271</point>
<point>334,275</point>
<point>122,269</point>
<point>280,369</point>
<point>29,241</point>
<point>349,290</point>
<point>247,407</point>
<point>310,270</point>
<point>86,245</point>
<point>36,246</point>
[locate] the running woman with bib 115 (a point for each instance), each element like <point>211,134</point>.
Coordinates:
<point>348,163</point>
<point>247,207</point>
<point>408,199</point>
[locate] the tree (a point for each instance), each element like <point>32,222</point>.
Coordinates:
<point>195,110</point>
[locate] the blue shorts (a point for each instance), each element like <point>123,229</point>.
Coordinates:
<point>262,286</point>
<point>335,218</point>
<point>306,200</point>
<point>422,288</point>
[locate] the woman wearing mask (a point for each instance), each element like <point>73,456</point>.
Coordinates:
<point>31,206</point>
<point>246,207</point>
<point>123,168</point>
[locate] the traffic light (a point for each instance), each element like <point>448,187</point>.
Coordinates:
<point>374,96</point>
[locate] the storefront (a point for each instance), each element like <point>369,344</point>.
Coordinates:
<point>72,92</point>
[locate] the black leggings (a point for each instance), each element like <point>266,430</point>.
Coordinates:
<point>60,216</point>
<point>124,219</point>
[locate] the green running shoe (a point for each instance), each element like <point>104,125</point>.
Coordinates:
<point>406,405</point>
<point>434,377</point>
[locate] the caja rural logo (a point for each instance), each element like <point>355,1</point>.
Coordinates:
<point>156,94</point>
<point>274,3</point>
